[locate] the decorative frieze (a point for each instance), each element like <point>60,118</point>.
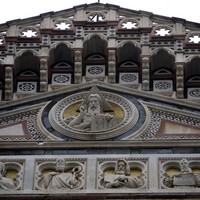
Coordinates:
<point>86,174</point>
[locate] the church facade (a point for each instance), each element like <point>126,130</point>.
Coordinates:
<point>99,102</point>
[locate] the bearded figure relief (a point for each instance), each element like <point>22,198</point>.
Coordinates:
<point>59,176</point>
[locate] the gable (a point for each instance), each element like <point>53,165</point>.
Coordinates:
<point>46,117</point>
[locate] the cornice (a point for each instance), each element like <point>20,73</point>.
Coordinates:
<point>145,96</point>
<point>136,144</point>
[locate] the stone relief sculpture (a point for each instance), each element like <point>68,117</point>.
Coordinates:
<point>13,182</point>
<point>61,177</point>
<point>93,114</point>
<point>185,178</point>
<point>122,177</point>
<point>5,183</point>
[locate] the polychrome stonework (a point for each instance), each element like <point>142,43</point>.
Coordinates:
<point>99,102</point>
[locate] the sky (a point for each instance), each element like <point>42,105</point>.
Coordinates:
<point>20,9</point>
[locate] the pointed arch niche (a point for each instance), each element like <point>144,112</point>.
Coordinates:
<point>27,73</point>
<point>61,65</point>
<point>95,57</point>
<point>128,64</point>
<point>162,71</point>
<point>192,78</point>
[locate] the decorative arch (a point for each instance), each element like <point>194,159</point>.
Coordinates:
<point>129,23</point>
<point>29,32</point>
<point>168,50</point>
<point>27,72</point>
<point>128,63</point>
<point>27,60</point>
<point>193,37</point>
<point>89,36</point>
<point>61,63</point>
<point>55,44</point>
<point>192,77</point>
<point>96,16</point>
<point>162,70</point>
<point>95,56</point>
<point>135,43</point>
<point>190,58</point>
<point>19,53</point>
<point>163,30</point>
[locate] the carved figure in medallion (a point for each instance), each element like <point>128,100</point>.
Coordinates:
<point>92,116</point>
<point>122,177</point>
<point>184,178</point>
<point>5,183</point>
<point>60,179</point>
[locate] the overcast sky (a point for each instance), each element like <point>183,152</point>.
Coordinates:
<point>15,9</point>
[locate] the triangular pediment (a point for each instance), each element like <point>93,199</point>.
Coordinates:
<point>155,116</point>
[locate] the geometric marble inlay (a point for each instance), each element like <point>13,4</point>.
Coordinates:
<point>174,128</point>
<point>26,87</point>
<point>95,70</point>
<point>162,85</point>
<point>58,79</point>
<point>127,78</point>
<point>15,130</point>
<point>193,93</point>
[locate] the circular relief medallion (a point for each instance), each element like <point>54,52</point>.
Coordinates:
<point>93,115</point>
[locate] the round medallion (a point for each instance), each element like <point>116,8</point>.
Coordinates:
<point>117,116</point>
<point>94,115</point>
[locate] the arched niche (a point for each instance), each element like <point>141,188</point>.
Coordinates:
<point>27,72</point>
<point>128,63</point>
<point>162,70</point>
<point>192,78</point>
<point>61,64</point>
<point>95,56</point>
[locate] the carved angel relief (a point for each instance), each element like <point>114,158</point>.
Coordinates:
<point>10,176</point>
<point>181,174</point>
<point>122,174</point>
<point>60,175</point>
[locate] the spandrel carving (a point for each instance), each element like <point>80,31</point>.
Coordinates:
<point>59,175</point>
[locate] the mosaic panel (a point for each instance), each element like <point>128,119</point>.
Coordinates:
<point>128,78</point>
<point>59,79</point>
<point>95,70</point>
<point>193,93</point>
<point>27,87</point>
<point>162,85</point>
